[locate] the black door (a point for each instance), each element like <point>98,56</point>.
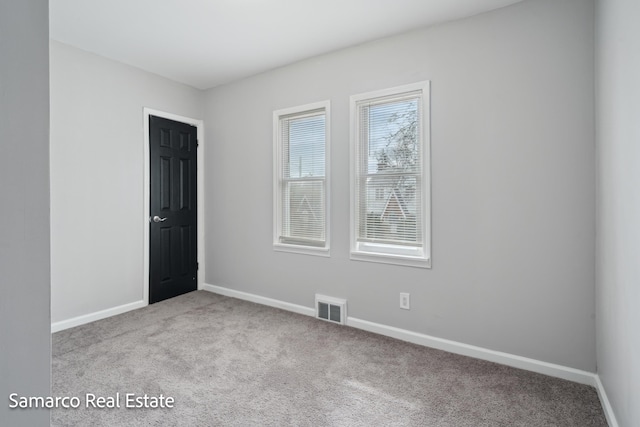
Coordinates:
<point>173,254</point>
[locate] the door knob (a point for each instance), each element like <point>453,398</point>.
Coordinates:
<point>158,219</point>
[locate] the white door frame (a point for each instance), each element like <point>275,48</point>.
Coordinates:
<point>147,194</point>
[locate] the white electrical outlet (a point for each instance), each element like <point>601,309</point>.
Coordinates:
<point>405,301</point>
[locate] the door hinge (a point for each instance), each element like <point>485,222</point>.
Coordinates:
<point>197,143</point>
<point>197,266</point>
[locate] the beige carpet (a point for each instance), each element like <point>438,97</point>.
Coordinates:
<point>228,362</point>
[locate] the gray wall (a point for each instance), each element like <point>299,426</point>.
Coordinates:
<point>513,171</point>
<point>618,225</point>
<point>97,164</point>
<point>25,338</point>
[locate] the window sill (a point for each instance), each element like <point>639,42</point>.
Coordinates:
<point>299,249</point>
<point>405,260</point>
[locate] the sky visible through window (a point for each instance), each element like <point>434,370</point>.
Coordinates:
<point>307,147</point>
<point>385,120</point>
<point>307,137</point>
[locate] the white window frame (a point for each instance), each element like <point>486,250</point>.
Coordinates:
<point>389,253</point>
<point>278,176</point>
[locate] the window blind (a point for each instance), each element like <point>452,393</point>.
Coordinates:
<point>389,170</point>
<point>302,184</point>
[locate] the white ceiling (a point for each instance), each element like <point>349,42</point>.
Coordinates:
<point>206,43</point>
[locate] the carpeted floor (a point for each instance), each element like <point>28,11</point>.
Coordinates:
<point>228,362</point>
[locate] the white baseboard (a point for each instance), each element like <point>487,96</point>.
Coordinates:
<point>300,309</point>
<point>558,371</point>
<point>606,405</point>
<point>92,317</point>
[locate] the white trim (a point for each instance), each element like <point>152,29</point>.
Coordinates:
<point>300,309</point>
<point>98,315</point>
<point>300,249</point>
<point>606,405</point>
<point>146,112</point>
<point>357,249</point>
<point>388,258</point>
<point>551,369</point>
<point>277,164</point>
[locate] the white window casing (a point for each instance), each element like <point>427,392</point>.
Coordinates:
<point>301,179</point>
<point>390,176</point>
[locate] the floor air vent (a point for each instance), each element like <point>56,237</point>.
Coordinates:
<point>331,309</point>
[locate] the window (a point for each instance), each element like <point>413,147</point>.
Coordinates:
<point>301,158</point>
<point>390,212</point>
